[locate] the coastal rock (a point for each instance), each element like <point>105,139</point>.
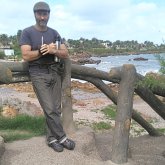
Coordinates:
<point>86,61</point>
<point>140,59</point>
<point>82,58</point>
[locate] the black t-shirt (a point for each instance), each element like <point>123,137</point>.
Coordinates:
<point>31,36</point>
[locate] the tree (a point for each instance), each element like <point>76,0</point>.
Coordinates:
<point>4,40</point>
<point>19,35</point>
<point>2,55</point>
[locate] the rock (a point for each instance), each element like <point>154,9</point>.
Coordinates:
<point>82,58</point>
<point>83,61</point>
<point>140,59</point>
<point>9,111</point>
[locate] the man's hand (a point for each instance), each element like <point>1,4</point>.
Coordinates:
<point>48,49</point>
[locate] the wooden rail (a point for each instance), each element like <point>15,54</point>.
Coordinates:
<point>126,76</point>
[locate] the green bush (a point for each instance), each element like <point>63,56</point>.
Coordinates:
<point>153,81</point>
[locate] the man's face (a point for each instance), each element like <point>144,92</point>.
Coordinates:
<point>42,18</point>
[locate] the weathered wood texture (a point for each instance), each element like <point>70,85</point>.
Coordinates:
<point>114,76</point>
<point>124,114</point>
<point>67,111</point>
<point>125,75</point>
<point>111,94</point>
<point>20,74</point>
<point>155,103</point>
<point>5,74</point>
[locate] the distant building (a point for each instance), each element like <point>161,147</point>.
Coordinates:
<point>106,44</point>
<point>7,50</point>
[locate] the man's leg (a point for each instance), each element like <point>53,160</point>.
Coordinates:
<point>45,86</point>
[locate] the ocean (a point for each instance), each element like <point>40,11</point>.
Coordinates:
<point>142,67</point>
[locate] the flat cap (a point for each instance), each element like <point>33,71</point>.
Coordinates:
<point>41,6</point>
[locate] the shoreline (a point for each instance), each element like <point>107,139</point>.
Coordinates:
<point>85,54</point>
<point>85,57</point>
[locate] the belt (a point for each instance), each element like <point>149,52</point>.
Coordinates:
<point>44,65</point>
<point>49,63</point>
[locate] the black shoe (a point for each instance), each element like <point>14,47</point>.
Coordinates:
<point>56,146</point>
<point>68,144</point>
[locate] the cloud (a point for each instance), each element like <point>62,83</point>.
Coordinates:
<point>111,20</point>
<point>103,19</point>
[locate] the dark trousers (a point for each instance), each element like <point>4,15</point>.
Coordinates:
<point>47,85</point>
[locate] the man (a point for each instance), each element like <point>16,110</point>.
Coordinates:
<point>44,58</point>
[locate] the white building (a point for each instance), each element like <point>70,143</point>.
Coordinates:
<point>9,52</point>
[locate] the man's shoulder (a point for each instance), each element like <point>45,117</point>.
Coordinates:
<point>28,29</point>
<point>51,29</point>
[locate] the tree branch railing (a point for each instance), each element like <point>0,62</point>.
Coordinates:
<point>125,76</point>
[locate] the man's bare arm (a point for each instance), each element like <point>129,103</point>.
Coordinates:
<point>28,54</point>
<point>62,52</point>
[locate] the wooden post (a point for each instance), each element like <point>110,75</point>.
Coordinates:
<point>19,73</point>
<point>124,114</point>
<point>67,112</point>
<point>5,74</point>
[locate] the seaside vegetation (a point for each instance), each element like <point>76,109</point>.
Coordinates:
<point>101,126</point>
<point>152,81</point>
<point>21,127</point>
<point>92,46</point>
<point>110,111</point>
<point>161,59</point>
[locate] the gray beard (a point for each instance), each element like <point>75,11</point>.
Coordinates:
<point>43,23</point>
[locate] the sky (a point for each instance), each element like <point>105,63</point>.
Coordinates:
<point>140,20</point>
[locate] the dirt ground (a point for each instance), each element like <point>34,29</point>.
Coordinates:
<point>87,105</point>
<point>88,102</point>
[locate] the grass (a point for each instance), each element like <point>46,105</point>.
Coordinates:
<point>25,127</point>
<point>110,111</point>
<point>101,126</point>
<point>161,130</point>
<point>21,127</point>
<point>11,135</point>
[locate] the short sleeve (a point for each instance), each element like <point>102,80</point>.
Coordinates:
<point>25,38</point>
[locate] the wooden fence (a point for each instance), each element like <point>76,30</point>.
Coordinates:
<point>125,76</point>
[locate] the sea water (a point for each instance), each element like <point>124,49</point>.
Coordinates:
<point>142,67</point>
